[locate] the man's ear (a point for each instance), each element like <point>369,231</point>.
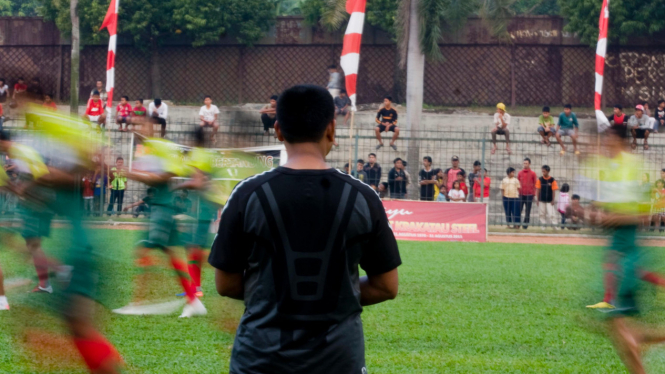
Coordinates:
<point>278,132</point>
<point>330,130</point>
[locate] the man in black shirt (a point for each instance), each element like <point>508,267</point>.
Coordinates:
<point>397,180</point>
<point>289,244</point>
<point>427,180</point>
<point>373,171</point>
<point>386,120</point>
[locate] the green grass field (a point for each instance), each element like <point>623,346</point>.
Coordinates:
<point>462,308</point>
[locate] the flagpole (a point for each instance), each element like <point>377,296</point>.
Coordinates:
<point>351,141</point>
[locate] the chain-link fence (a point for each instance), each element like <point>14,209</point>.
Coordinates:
<point>468,74</point>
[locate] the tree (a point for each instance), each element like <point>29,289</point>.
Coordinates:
<point>627,19</point>
<point>148,23</point>
<point>19,8</point>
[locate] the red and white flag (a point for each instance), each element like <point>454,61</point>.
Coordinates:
<point>601,49</point>
<point>351,48</point>
<point>111,24</point>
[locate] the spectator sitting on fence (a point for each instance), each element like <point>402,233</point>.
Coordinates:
<point>575,212</point>
<point>473,175</point>
<point>510,188</point>
<point>99,87</point>
<point>647,110</point>
<point>4,91</point>
<point>373,171</point>
<point>49,103</point>
<point>143,205</point>
<point>440,191</point>
<point>360,170</point>
<point>564,201</point>
<point>567,126</point>
<point>139,113</point>
<point>397,180</point>
<point>334,81</point>
<point>159,113</point>
<point>456,195</point>
<point>659,116</point>
<point>94,112</point>
<point>342,106</point>
<point>461,178</point>
<point>383,190</point>
<point>501,123</point>
<point>35,92</point>
<point>123,113</point>
<point>450,174</point>
<point>386,120</point>
<point>640,125</point>
<point>547,127</point>
<point>477,187</point>
<point>427,179</point>
<point>208,115</point>
<point>269,115</point>
<point>546,187</point>
<point>618,117</point>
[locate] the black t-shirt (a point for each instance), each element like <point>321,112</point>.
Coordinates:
<point>427,190</point>
<point>299,236</point>
<point>397,186</point>
<point>387,115</point>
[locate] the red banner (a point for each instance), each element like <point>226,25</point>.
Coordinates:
<point>437,221</point>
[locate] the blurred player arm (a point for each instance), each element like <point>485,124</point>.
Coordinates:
<point>197,182</point>
<point>148,178</point>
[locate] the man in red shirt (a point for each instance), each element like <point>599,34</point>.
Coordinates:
<point>123,112</point>
<point>49,103</point>
<point>19,89</point>
<point>527,179</point>
<point>450,174</point>
<point>486,186</point>
<point>95,110</point>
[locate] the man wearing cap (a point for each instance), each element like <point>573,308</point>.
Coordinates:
<point>450,175</point>
<point>501,123</point>
<point>640,125</point>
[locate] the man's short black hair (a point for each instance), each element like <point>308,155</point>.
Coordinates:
<point>385,184</point>
<point>95,93</point>
<point>2,80</point>
<point>141,100</point>
<point>546,109</point>
<point>428,158</point>
<point>397,159</point>
<point>125,97</point>
<point>510,170</point>
<point>342,91</point>
<point>527,159</point>
<point>304,112</point>
<point>568,106</point>
<point>332,67</point>
<point>659,101</point>
<point>207,97</point>
<point>97,81</point>
<point>546,167</point>
<point>644,102</point>
<point>576,197</point>
<point>20,79</point>
<point>360,161</point>
<point>618,106</point>
<point>476,163</point>
<point>119,158</point>
<point>158,102</point>
<point>372,154</point>
<point>389,98</point>
<point>663,170</point>
<point>274,97</point>
<point>4,136</point>
<point>151,190</point>
<point>462,173</point>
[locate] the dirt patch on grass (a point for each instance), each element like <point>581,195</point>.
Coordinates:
<point>563,240</point>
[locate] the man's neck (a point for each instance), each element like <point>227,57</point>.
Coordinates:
<point>208,106</point>
<point>388,107</point>
<point>371,164</point>
<point>428,168</point>
<point>305,156</point>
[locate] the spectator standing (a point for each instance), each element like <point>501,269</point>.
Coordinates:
<point>159,113</point>
<point>139,113</point>
<point>450,174</point>
<point>546,188</point>
<point>269,115</point>
<point>117,186</point>
<point>456,195</point>
<point>334,81</point>
<point>640,126</point>
<point>567,126</point>
<point>461,178</point>
<point>94,112</point>
<point>383,190</point>
<point>510,188</point>
<point>88,194</point>
<point>386,119</point>
<point>564,201</point>
<point>123,113</point>
<point>373,171</point>
<point>486,185</point>
<point>397,180</point>
<point>20,89</point>
<point>208,114</point>
<point>501,124</point>
<point>360,170</point>
<point>427,179</point>
<point>49,103</point>
<point>472,178</point>
<point>659,116</point>
<point>99,87</point>
<point>440,192</point>
<point>343,106</point>
<point>528,179</point>
<point>4,91</point>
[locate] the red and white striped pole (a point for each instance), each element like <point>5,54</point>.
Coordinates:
<point>601,50</point>
<point>111,23</point>
<point>351,49</point>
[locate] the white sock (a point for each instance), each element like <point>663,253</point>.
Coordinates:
<point>3,299</point>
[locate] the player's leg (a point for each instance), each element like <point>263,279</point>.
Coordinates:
<point>627,345</point>
<point>162,122</point>
<point>34,245</point>
<point>112,199</point>
<point>646,140</point>
<point>121,197</point>
<point>4,305</point>
<point>506,133</point>
<point>507,210</point>
<point>347,115</point>
<point>573,138</point>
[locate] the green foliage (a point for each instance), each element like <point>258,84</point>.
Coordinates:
<point>536,7</point>
<point>149,22</point>
<point>382,14</point>
<point>497,14</point>
<point>627,19</point>
<point>19,8</point>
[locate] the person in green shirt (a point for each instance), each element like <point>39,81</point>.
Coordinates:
<point>567,126</point>
<point>547,127</point>
<point>117,186</point>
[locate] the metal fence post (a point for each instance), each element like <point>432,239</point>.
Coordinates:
<point>355,156</point>
<point>482,170</point>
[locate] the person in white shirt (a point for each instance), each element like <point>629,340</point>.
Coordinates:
<point>208,115</point>
<point>4,91</point>
<point>158,113</point>
<point>456,194</point>
<point>641,125</point>
<point>501,123</point>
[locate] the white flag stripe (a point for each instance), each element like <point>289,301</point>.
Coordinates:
<point>350,63</point>
<point>112,42</point>
<point>353,102</point>
<point>599,83</point>
<point>356,23</point>
<point>110,78</point>
<point>601,48</point>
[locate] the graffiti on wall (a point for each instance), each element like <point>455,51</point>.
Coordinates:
<point>642,74</point>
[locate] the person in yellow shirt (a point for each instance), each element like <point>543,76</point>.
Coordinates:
<point>117,186</point>
<point>510,189</point>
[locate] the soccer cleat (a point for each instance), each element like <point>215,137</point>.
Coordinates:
<point>38,289</point>
<point>135,309</point>
<point>4,305</point>
<point>195,308</point>
<point>601,305</point>
<point>199,293</point>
